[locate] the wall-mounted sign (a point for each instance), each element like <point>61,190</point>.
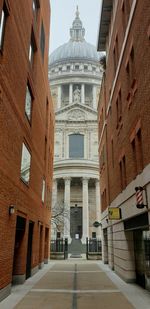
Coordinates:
<point>114,213</point>
<point>97,224</point>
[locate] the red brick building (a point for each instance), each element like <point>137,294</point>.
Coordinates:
<point>26,140</point>
<point>124,137</point>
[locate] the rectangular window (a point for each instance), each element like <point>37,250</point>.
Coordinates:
<point>35,7</point>
<point>134,157</point>
<point>31,53</point>
<point>104,200</point>
<point>120,104</point>
<point>112,152</point>
<point>93,234</point>
<point>3,17</point>
<point>124,172</point>
<point>2,27</point>
<point>42,40</point>
<point>119,108</point>
<point>114,58</point>
<point>117,50</point>
<point>139,151</point>
<point>76,146</point>
<point>76,67</point>
<point>121,175</point>
<point>58,235</point>
<point>123,18</point>
<point>117,113</point>
<point>148,32</point>
<point>32,49</point>
<point>116,54</point>
<point>131,71</point>
<point>25,164</point>
<point>123,179</point>
<point>126,7</point>
<point>43,191</point>
<point>102,157</point>
<point>28,103</point>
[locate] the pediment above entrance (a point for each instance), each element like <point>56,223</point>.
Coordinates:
<point>76,112</point>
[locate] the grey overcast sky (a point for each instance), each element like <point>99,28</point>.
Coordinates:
<point>63,14</point>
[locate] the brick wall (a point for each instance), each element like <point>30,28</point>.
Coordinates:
<point>15,72</point>
<point>126,99</point>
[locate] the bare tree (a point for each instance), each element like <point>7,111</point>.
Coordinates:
<point>58,215</point>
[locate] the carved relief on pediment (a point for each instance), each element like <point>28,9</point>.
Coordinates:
<point>76,114</point>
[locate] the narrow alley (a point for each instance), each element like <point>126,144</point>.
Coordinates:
<point>76,284</point>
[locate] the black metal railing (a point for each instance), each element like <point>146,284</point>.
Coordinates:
<point>59,248</point>
<point>93,248</point>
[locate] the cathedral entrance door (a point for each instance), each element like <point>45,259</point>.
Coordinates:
<point>76,222</point>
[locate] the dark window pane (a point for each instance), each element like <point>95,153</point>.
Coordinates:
<point>42,40</point>
<point>76,146</point>
<point>3,16</point>
<point>28,104</point>
<point>35,7</point>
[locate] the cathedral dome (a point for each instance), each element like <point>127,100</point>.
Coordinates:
<point>76,48</point>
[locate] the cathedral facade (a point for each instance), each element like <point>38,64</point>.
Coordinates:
<point>75,75</point>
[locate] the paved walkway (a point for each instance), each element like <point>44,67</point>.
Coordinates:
<point>76,284</point>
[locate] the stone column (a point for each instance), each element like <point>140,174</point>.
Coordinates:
<point>54,196</point>
<point>70,93</point>
<point>59,97</point>
<point>54,202</point>
<point>98,208</point>
<point>83,94</point>
<point>94,97</point>
<point>67,208</point>
<point>85,213</point>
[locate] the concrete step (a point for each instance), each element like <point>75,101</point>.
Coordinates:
<point>76,247</point>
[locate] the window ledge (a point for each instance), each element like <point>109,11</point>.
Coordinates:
<point>24,182</point>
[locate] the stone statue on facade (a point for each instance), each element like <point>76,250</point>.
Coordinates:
<point>77,95</point>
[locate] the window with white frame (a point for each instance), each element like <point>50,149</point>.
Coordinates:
<point>3,17</point>
<point>28,103</point>
<point>43,191</point>
<point>31,53</point>
<point>32,48</point>
<point>25,164</point>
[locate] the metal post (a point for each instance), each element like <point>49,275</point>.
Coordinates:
<point>87,248</point>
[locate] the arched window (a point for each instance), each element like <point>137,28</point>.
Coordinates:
<point>76,146</point>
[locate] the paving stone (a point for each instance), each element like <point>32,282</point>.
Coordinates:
<point>56,281</point>
<point>42,300</point>
<point>103,301</point>
<point>94,281</point>
<point>77,285</point>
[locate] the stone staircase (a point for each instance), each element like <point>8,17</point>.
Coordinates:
<point>76,248</point>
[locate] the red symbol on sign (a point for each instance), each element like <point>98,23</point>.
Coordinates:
<point>139,197</point>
